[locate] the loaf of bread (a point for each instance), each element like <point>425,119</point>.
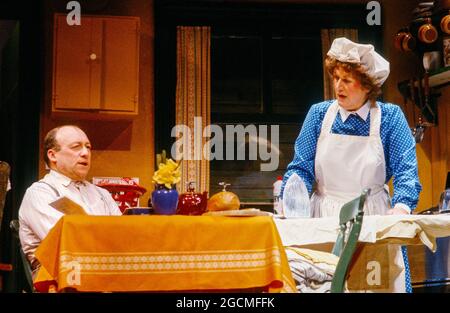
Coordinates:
<point>223,201</point>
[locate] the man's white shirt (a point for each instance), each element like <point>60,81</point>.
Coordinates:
<point>37,217</point>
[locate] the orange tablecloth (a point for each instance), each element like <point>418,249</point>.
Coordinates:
<point>163,253</point>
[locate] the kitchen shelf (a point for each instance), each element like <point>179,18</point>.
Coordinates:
<point>439,78</point>
<point>436,79</point>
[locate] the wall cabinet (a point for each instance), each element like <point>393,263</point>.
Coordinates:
<point>96,65</point>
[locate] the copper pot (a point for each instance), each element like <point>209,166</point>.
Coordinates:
<point>445,24</point>
<point>398,40</point>
<point>404,41</point>
<point>427,33</point>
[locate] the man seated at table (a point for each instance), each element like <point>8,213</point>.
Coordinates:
<point>67,152</point>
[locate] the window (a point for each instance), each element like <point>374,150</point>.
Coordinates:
<point>263,78</point>
<point>266,70</point>
<point>236,76</point>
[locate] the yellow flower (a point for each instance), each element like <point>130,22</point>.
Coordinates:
<point>168,174</point>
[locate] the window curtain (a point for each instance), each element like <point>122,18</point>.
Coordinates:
<point>193,100</point>
<point>327,36</point>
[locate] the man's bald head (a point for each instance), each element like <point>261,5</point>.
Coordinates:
<point>67,150</point>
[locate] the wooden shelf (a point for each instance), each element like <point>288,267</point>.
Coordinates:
<point>439,78</point>
<point>436,79</point>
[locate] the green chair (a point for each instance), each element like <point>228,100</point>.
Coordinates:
<point>4,177</point>
<point>350,221</point>
<point>14,225</point>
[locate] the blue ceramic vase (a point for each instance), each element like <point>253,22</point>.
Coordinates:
<point>164,200</point>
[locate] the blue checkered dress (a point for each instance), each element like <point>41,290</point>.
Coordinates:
<point>399,152</point>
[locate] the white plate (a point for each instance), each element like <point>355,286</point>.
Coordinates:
<point>243,212</point>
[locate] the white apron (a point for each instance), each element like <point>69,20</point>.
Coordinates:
<point>344,166</point>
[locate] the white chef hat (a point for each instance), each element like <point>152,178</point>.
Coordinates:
<point>345,50</point>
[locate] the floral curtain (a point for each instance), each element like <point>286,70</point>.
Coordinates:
<point>327,36</point>
<point>193,101</point>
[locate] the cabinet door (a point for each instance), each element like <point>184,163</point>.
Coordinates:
<point>76,67</point>
<point>96,64</point>
<point>120,82</point>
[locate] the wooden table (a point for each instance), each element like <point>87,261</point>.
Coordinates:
<point>163,253</point>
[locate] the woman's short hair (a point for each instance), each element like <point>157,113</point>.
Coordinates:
<point>358,72</point>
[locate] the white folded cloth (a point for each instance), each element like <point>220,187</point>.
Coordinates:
<point>312,270</point>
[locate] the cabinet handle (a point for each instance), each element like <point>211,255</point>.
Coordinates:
<point>92,56</point>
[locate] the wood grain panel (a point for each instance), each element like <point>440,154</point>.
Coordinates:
<point>95,60</point>
<point>439,150</point>
<point>72,47</point>
<point>120,64</point>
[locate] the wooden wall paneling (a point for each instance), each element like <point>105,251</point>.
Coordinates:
<point>95,75</point>
<point>71,60</point>
<point>439,152</point>
<point>444,110</point>
<point>122,147</point>
<point>120,64</point>
<point>425,173</point>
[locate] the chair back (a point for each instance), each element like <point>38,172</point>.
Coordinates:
<point>14,225</point>
<point>350,223</point>
<point>4,176</point>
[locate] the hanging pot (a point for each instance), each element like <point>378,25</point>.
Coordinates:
<point>445,24</point>
<point>427,33</point>
<point>404,41</point>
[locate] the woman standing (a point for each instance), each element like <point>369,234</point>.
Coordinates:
<point>354,142</point>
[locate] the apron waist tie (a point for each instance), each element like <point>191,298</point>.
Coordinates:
<point>348,196</point>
